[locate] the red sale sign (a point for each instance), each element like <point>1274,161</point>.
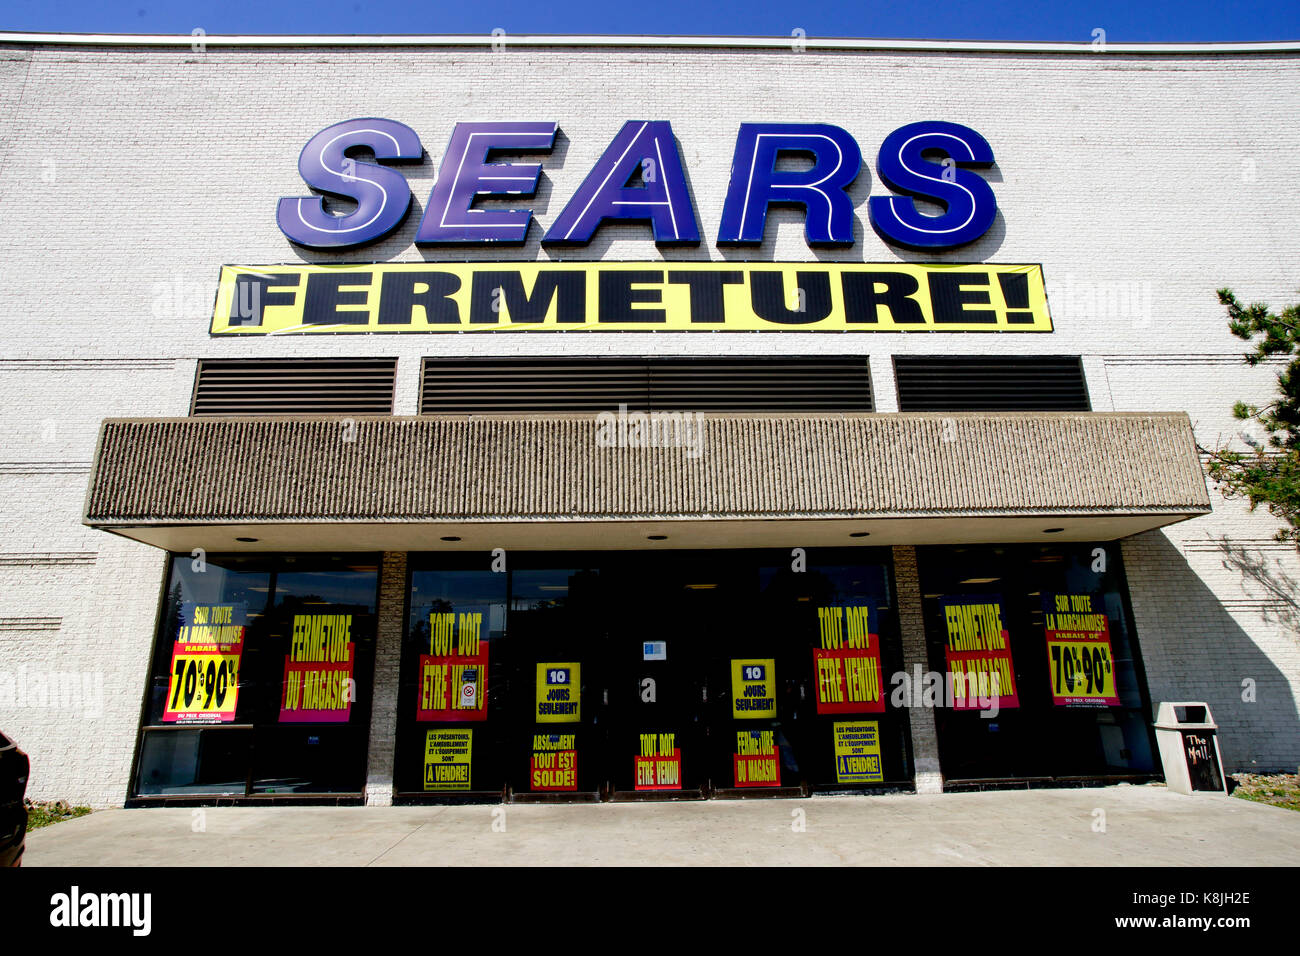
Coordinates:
<point>757,760</point>
<point>977,650</point>
<point>454,674</point>
<point>847,664</point>
<point>659,773</point>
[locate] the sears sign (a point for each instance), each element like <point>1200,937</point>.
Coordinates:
<point>640,178</point>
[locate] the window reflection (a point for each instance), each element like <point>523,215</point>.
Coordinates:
<point>1047,735</point>
<point>290,639</point>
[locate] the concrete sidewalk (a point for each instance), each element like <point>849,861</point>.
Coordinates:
<point>1142,826</point>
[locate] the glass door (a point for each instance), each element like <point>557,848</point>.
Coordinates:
<point>558,630</point>
<point>658,735</point>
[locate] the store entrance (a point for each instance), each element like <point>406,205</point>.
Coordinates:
<point>610,679</point>
<point>654,676</point>
<point>661,653</point>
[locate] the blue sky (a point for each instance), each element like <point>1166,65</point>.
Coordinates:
<point>1166,20</point>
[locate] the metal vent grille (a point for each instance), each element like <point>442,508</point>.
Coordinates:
<point>1028,384</point>
<point>687,384</point>
<point>294,386</point>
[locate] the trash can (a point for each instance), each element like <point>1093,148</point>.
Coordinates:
<point>1189,748</point>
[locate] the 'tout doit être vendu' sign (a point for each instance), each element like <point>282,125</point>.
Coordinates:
<point>639,178</point>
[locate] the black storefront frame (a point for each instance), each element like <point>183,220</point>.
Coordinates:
<point>1115,553</point>
<point>248,798</point>
<point>891,652</point>
<point>551,560</point>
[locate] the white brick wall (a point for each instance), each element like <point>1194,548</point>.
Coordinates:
<point>125,172</point>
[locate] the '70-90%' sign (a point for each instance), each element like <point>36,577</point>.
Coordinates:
<point>204,685</point>
<point>1078,650</point>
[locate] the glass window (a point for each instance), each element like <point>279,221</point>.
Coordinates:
<point>613,674</point>
<point>837,645</point>
<point>454,684</point>
<point>1051,621</point>
<point>194,760</point>
<point>261,677</point>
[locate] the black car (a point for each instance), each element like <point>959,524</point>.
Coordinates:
<point>13,814</point>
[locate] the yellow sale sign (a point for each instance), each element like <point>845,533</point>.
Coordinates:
<point>329,298</point>
<point>857,752</point>
<point>753,688</point>
<point>559,693</point>
<point>1078,651</point>
<point>204,684</point>
<point>447,759</point>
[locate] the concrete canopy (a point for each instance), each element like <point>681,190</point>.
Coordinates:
<point>556,482</point>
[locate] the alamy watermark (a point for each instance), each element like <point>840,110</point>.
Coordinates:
<point>75,909</point>
<point>1129,300</point>
<point>971,690</point>
<point>624,429</point>
<point>72,691</point>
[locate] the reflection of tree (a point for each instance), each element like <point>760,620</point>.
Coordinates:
<point>546,604</point>
<point>172,627</point>
<point>419,630</point>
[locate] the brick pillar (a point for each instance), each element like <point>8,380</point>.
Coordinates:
<point>911,626</point>
<point>388,660</point>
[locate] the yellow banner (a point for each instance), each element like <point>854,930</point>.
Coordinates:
<point>559,693</point>
<point>631,297</point>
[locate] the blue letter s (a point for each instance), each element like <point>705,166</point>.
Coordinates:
<point>382,195</point>
<point>971,205</point>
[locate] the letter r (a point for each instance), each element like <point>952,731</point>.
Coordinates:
<point>756,183</point>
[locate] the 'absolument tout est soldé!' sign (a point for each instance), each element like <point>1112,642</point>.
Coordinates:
<point>640,179</point>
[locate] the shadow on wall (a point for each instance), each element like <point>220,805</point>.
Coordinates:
<point>1281,608</point>
<point>1195,650</point>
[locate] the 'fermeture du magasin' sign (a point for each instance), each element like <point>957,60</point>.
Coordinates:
<point>640,179</point>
